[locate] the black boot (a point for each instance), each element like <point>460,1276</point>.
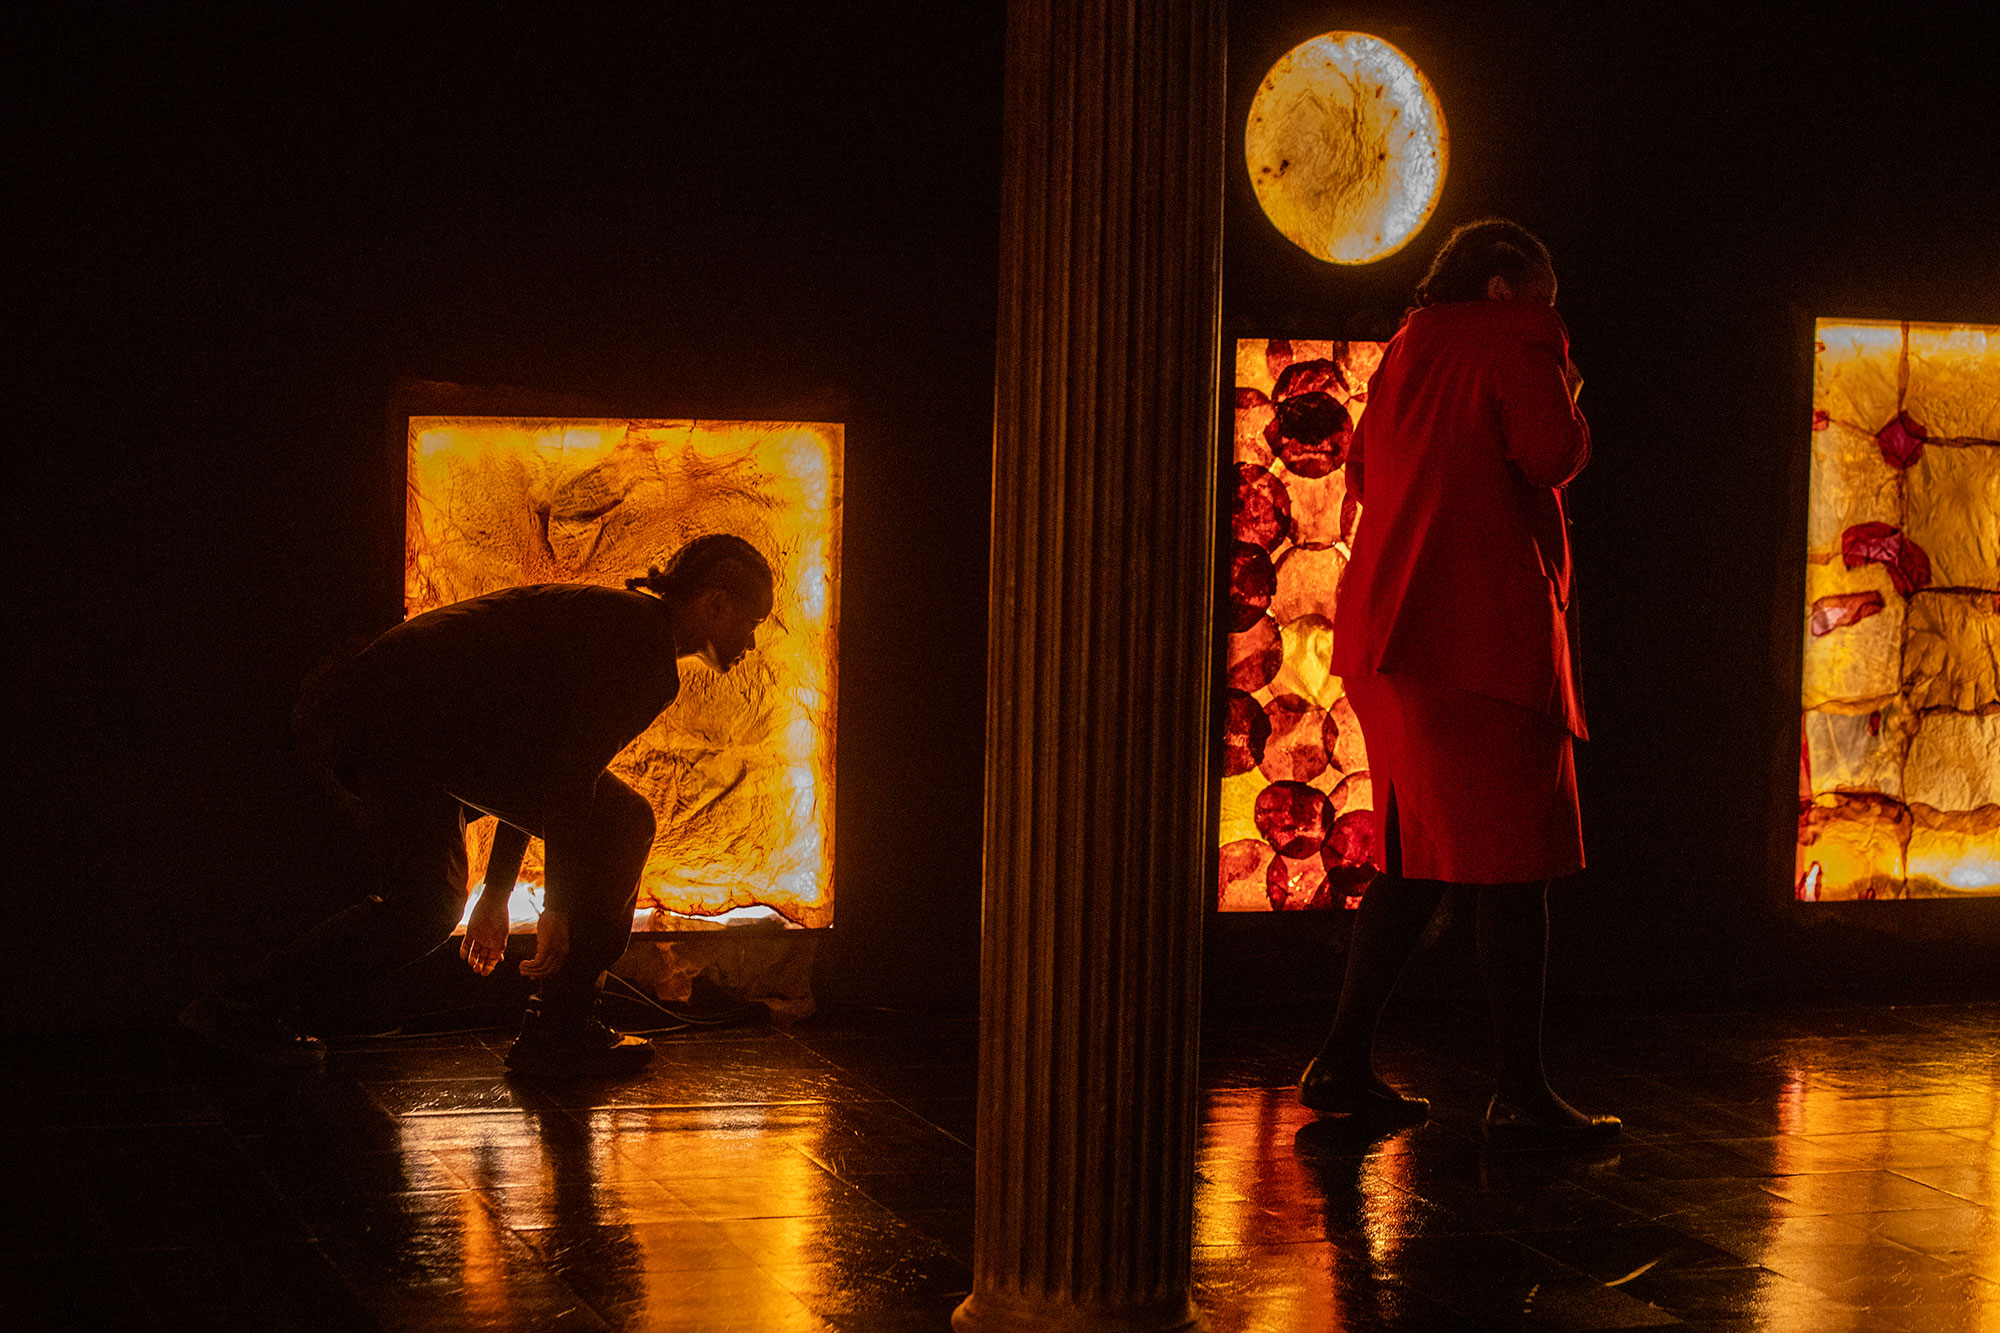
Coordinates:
<point>1553,1125</point>
<point>575,1046</point>
<point>1369,1098</point>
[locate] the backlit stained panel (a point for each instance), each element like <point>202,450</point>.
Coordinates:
<point>1346,147</point>
<point>740,769</point>
<point>1899,777</point>
<point>1297,809</point>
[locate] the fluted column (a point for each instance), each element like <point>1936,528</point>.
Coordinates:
<point>1098,665</point>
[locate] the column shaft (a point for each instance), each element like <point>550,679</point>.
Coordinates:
<point>1098,665</point>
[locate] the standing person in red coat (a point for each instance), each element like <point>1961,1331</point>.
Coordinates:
<point>1455,637</point>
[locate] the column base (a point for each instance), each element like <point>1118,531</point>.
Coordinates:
<point>983,1312</point>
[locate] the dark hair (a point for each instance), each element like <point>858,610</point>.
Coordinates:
<point>719,560</point>
<point>1478,252</point>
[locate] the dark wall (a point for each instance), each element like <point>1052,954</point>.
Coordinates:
<point>253,226</point>
<point>247,229</point>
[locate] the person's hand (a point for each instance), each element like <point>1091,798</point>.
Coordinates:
<point>1573,378</point>
<point>485,942</point>
<point>551,944</point>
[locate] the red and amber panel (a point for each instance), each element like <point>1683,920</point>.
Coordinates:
<point>740,770</point>
<point>1297,811</point>
<point>1899,766</point>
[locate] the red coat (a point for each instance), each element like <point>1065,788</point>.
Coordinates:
<point>1461,569</point>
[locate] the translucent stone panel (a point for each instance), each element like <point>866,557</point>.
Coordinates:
<point>1953,493</point>
<point>1853,847</point>
<point>1951,653</point>
<point>1900,786</point>
<point>1954,762</point>
<point>1858,752</point>
<point>1850,486</point>
<point>1955,853</point>
<point>740,769</point>
<point>1856,663</point>
<point>1951,380</point>
<point>1296,803</point>
<point>1346,147</point>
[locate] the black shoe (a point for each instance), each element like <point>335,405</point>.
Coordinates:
<point>1373,1100</point>
<point>581,1048</point>
<point>1562,1126</point>
<point>254,1033</point>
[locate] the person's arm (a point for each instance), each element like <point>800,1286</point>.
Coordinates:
<point>485,942</point>
<point>1536,382</point>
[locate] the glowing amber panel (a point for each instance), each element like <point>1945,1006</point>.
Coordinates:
<point>1346,147</point>
<point>740,769</point>
<point>1899,781</point>
<point>1297,805</point>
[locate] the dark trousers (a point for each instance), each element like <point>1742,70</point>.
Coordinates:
<point>417,835</point>
<point>1513,934</point>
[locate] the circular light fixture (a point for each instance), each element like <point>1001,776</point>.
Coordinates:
<point>1347,147</point>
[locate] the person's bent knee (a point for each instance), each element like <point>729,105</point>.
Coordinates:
<point>624,817</point>
<point>401,926</point>
<point>434,919</point>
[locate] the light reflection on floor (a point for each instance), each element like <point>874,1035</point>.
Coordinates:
<point>1816,1170</point>
<point>1771,1179</point>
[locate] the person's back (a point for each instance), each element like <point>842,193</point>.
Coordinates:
<point>482,695</point>
<point>1460,546</point>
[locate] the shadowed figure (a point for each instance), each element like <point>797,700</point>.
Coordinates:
<point>1455,633</point>
<point>510,705</point>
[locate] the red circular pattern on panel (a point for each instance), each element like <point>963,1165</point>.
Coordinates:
<point>1252,582</point>
<point>1245,731</point>
<point>1255,656</point>
<point>1315,376</point>
<point>1297,884</point>
<point>1263,512</point>
<point>1295,752</point>
<point>1243,863</point>
<point>1311,433</point>
<point>1292,817</point>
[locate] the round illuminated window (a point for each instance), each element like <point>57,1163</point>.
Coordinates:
<point>1347,147</point>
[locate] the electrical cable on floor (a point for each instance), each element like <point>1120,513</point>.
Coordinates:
<point>689,1017</point>
<point>680,1019</point>
<point>404,1034</point>
<point>679,1023</point>
<point>930,1015</point>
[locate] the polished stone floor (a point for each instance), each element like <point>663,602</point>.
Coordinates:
<point>1808,1169</point>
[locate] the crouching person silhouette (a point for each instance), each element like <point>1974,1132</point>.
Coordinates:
<point>512,705</point>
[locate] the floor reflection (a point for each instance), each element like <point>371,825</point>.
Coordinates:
<point>1807,1170</point>
<point>1821,1171</point>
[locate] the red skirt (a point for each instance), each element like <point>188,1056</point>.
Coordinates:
<point>1478,791</point>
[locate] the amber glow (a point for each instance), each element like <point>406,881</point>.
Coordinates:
<point>1297,804</point>
<point>752,1167</point>
<point>752,1171</point>
<point>1270,1175</point>
<point>740,769</point>
<point>1829,1125</point>
<point>1899,781</point>
<point>1346,147</point>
